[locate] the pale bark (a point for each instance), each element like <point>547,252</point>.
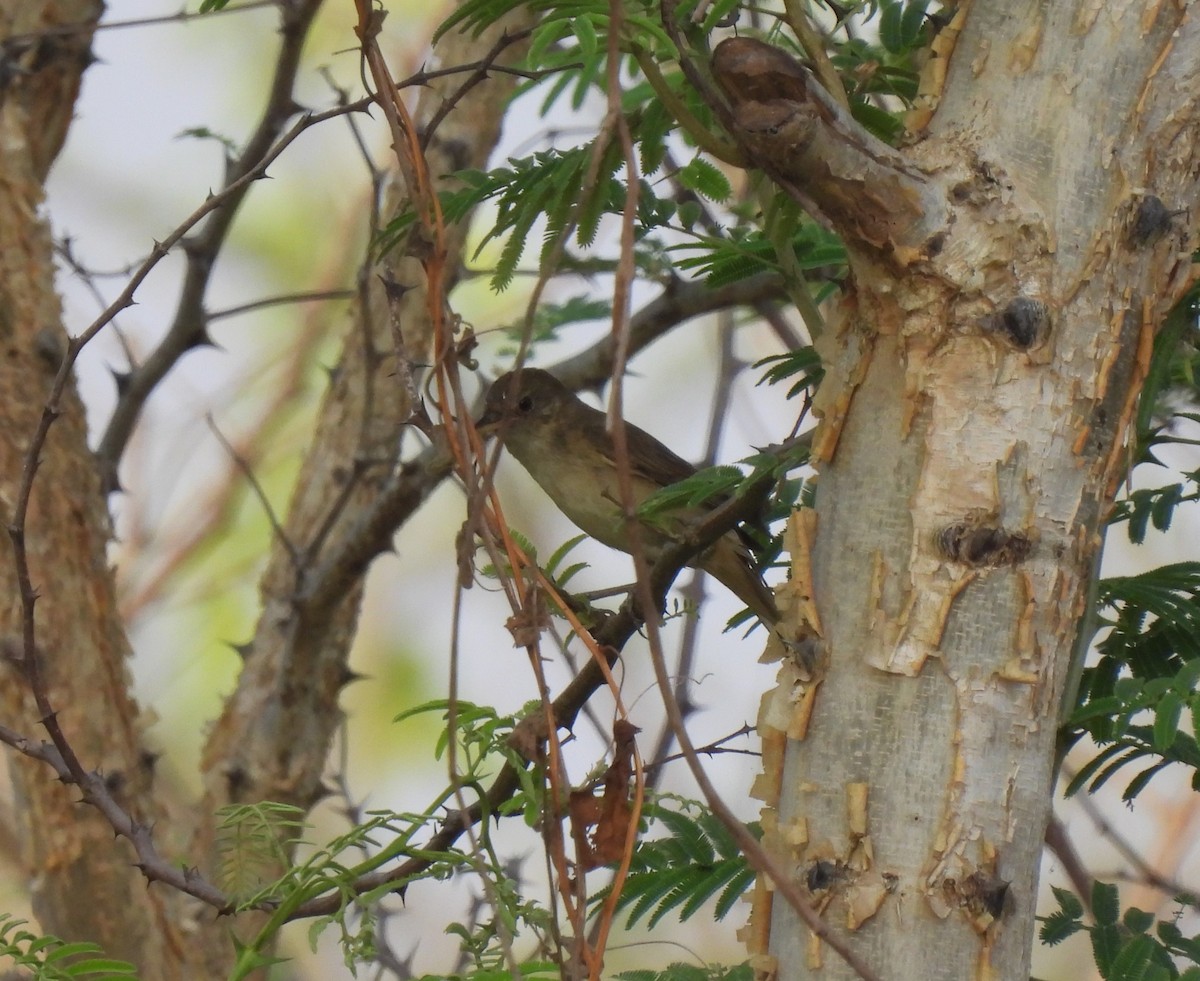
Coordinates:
<point>981,380</point>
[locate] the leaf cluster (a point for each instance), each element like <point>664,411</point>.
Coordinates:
<point>692,972</point>
<point>1148,668</point>
<point>697,859</point>
<point>1123,945</point>
<point>47,958</point>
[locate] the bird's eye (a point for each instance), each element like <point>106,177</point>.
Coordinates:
<point>525,404</point>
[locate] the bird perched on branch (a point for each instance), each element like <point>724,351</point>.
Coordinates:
<point>567,449</point>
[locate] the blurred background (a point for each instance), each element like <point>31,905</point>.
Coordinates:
<point>165,95</point>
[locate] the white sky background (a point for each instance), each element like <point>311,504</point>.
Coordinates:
<point>125,179</point>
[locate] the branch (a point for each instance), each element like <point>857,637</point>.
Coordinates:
<point>96,792</point>
<point>611,637</point>
<point>814,149</point>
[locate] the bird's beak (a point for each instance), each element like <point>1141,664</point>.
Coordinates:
<point>489,422</point>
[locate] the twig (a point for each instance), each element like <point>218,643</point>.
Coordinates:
<point>611,637</point>
<point>479,72</point>
<point>96,793</point>
<point>813,47</point>
<point>113,25</point>
<point>244,467</point>
<point>281,300</point>
<point>1060,844</point>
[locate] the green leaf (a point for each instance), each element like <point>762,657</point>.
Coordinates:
<point>1134,960</point>
<point>696,860</point>
<point>562,552</point>
<point>1137,920</point>
<point>802,364</point>
<point>705,179</point>
<point>1068,902</point>
<point>880,122</point>
<point>1057,927</point>
<point>1106,903</point>
<point>712,484</point>
<point>1141,781</point>
<point>912,23</point>
<point>890,34</point>
<point>1106,945</point>
<point>1166,720</point>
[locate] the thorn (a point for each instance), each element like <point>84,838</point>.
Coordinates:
<point>199,338</point>
<point>349,676</point>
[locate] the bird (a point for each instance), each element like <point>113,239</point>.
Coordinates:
<point>565,446</point>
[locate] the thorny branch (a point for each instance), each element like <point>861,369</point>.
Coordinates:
<point>611,637</point>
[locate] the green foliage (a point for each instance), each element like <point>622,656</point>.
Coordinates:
<point>802,364</point>
<point>1155,506</point>
<point>1123,946</point>
<point>479,731</point>
<point>549,317</point>
<point>1132,700</point>
<point>697,859</point>
<point>336,869</point>
<point>254,844</point>
<point>745,251</point>
<point>1170,373</point>
<point>902,26</point>
<point>1169,389</point>
<point>692,972</point>
<point>712,484</point>
<point>556,568</point>
<point>688,223</point>
<point>50,959</point>
<point>705,179</point>
<point>1148,668</point>
<point>564,189</point>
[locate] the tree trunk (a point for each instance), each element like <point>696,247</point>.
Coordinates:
<point>1008,278</point>
<point>82,885</point>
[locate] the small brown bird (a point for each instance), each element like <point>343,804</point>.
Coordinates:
<point>565,446</point>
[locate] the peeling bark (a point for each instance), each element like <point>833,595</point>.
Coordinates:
<point>980,382</point>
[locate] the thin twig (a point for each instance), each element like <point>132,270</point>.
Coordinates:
<point>264,502</point>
